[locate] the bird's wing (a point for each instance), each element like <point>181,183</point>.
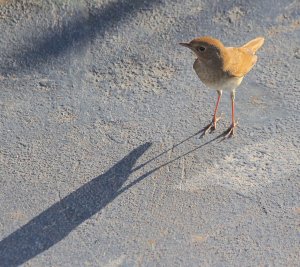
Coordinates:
<point>241,60</point>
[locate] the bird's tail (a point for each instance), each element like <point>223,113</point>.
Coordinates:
<point>255,44</point>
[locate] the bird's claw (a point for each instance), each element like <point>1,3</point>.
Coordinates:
<point>212,126</point>
<point>231,130</point>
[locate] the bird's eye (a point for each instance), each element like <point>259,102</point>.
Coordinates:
<point>201,48</point>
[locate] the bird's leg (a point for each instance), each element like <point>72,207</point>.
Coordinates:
<point>215,118</point>
<point>213,125</point>
<point>232,128</point>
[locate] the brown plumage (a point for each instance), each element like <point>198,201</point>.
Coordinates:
<point>223,68</point>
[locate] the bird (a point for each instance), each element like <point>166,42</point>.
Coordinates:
<point>223,68</point>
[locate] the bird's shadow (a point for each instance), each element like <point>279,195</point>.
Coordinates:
<point>56,222</point>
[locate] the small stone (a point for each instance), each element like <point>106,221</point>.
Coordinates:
<point>44,84</point>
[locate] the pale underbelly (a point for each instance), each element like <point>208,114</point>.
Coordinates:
<point>225,84</point>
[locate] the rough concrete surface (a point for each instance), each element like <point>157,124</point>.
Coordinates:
<point>101,163</point>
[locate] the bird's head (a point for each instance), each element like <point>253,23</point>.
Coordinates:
<point>207,49</point>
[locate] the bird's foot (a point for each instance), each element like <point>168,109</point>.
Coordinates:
<point>231,130</point>
<point>212,126</point>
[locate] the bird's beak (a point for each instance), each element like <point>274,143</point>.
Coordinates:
<point>185,44</point>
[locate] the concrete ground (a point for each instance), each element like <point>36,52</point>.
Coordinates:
<point>101,160</point>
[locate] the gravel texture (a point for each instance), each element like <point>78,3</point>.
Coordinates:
<point>101,161</point>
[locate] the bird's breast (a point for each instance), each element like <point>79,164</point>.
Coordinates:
<point>215,78</point>
<point>209,75</point>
